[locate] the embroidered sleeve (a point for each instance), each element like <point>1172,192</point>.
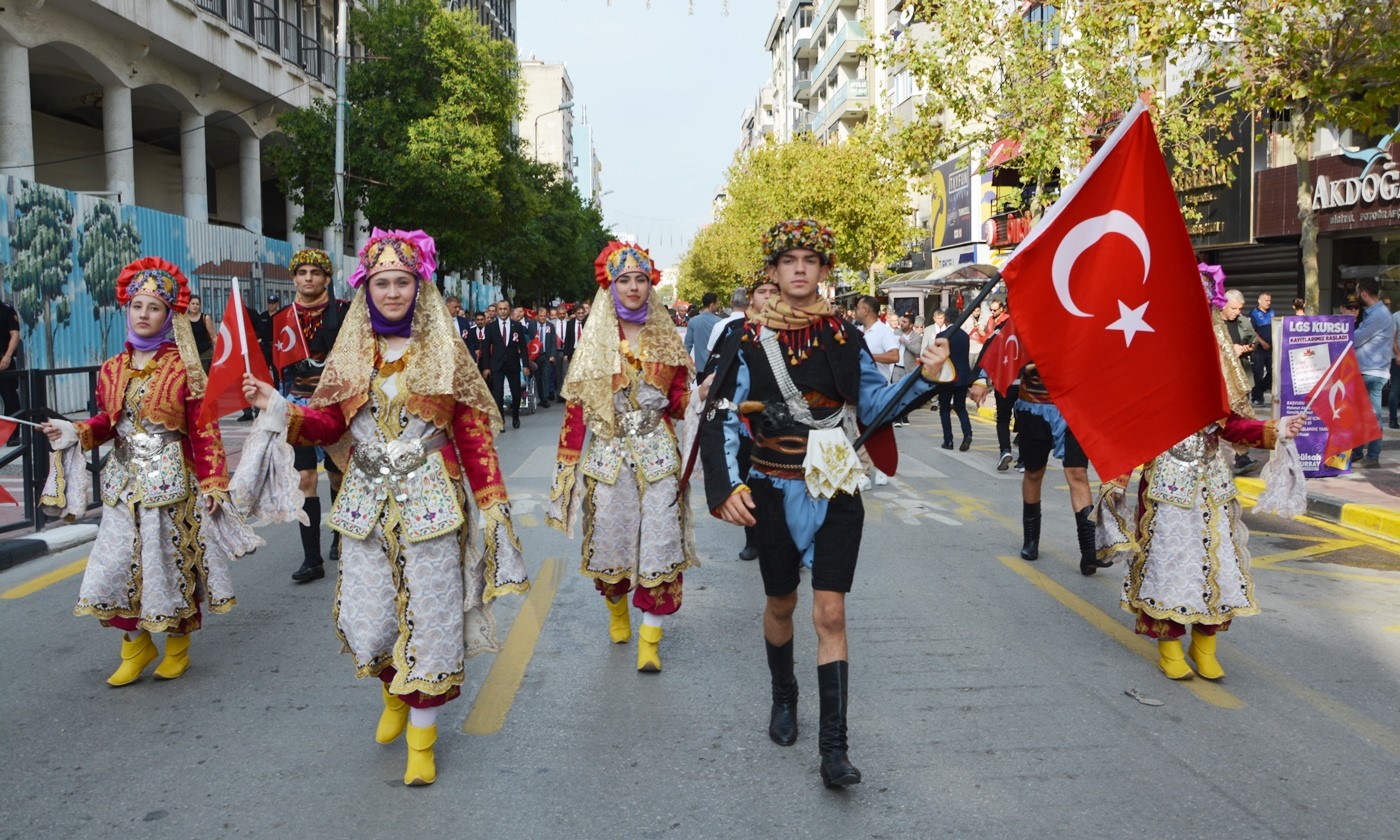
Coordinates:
<point>476,450</point>
<point>1260,434</point>
<point>571,433</point>
<point>308,426</point>
<point>95,431</point>
<point>561,491</point>
<point>679,394</point>
<point>206,448</point>
<point>875,392</point>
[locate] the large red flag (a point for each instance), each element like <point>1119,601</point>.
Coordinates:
<point>1109,303</point>
<point>235,352</point>
<point>1002,358</point>
<point>1346,411</point>
<point>288,342</point>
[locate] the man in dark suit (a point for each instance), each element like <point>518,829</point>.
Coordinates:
<point>475,336</point>
<point>502,355</point>
<point>571,332</point>
<point>545,376</point>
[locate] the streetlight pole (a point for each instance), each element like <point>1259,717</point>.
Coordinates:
<point>342,41</point>
<point>563,106</point>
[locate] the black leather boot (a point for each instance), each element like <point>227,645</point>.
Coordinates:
<point>1088,554</point>
<point>782,721</point>
<point>1030,527</point>
<point>837,770</point>
<point>312,567</point>
<point>750,549</point>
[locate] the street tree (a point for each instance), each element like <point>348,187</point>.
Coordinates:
<point>1314,65</point>
<point>853,186</point>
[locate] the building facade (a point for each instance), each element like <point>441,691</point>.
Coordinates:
<point>547,124</point>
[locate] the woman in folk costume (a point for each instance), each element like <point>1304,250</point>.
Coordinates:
<point>401,403</point>
<point>162,549</point>
<point>1186,546</point>
<point>629,379</point>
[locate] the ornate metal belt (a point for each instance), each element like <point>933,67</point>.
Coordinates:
<point>638,423</point>
<point>396,460</point>
<point>144,447</point>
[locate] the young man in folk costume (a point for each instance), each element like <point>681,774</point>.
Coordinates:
<point>803,377</point>
<point>314,318</point>
<point>629,380</point>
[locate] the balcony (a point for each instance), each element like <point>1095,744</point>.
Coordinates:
<point>848,40</point>
<point>802,46</point>
<point>311,51</point>
<point>802,87</point>
<point>853,97</point>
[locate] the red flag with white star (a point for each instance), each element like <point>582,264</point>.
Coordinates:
<point>1341,402</point>
<point>235,353</point>
<point>288,341</point>
<point>1109,303</point>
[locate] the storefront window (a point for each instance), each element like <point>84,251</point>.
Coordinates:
<point>1356,258</point>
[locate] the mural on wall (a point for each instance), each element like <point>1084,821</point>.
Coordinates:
<point>61,252</point>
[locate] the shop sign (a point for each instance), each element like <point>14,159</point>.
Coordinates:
<point>951,217</point>
<point>1306,347</point>
<point>1219,196</point>
<point>1006,229</point>
<point>1351,191</point>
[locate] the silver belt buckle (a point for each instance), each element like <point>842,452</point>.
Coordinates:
<point>398,459</point>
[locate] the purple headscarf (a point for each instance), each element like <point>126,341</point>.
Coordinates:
<point>401,328</point>
<point>166,334</point>
<point>631,316</point>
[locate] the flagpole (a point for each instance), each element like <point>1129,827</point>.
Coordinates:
<point>1317,392</point>
<point>301,336</point>
<point>242,331</point>
<point>19,421</point>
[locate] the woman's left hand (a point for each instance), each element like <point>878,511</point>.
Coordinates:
<point>211,503</point>
<point>1289,427</point>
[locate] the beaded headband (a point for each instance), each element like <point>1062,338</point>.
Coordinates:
<point>310,256</point>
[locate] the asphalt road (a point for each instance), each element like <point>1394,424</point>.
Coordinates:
<point>989,697</point>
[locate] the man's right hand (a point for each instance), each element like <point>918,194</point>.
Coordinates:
<point>978,392</point>
<point>735,509</point>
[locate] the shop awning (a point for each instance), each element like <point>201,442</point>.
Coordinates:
<point>1003,150</point>
<point>966,274</point>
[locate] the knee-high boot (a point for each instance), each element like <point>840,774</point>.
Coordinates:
<point>1089,561</point>
<point>836,769</point>
<point>782,720</point>
<point>335,535</point>
<point>1030,527</point>
<point>312,567</point>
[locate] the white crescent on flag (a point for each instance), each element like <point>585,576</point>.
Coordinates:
<point>290,336</point>
<point>225,344</point>
<point>1338,391</point>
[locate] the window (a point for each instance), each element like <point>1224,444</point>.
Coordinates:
<point>1041,18</point>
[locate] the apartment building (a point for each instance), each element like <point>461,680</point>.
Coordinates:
<point>547,123</point>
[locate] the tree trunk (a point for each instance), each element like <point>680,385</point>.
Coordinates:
<point>1302,149</point>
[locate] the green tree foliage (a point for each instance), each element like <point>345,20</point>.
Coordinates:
<point>43,260</point>
<point>106,245</point>
<point>854,187</point>
<point>1319,64</point>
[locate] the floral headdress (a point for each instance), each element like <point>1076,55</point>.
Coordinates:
<point>1215,292</point>
<point>791,234</point>
<point>396,250</point>
<point>311,256</point>
<point>758,278</point>
<point>155,277</point>
<point>620,257</point>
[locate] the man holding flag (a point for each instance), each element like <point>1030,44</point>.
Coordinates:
<point>303,335</point>
<point>1108,286</point>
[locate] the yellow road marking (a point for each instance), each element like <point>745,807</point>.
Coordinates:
<point>527,520</point>
<point>1315,550</point>
<point>1382,736</point>
<point>1350,533</point>
<point>1389,581</point>
<point>1394,628</point>
<point>1207,691</point>
<point>29,587</point>
<point>497,693</point>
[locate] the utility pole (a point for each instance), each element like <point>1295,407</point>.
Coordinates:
<point>342,41</point>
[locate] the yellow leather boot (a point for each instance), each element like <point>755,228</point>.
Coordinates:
<point>393,719</point>
<point>620,620</point>
<point>648,657</point>
<point>137,653</point>
<point>1202,652</point>
<point>422,767</point>
<point>1171,660</point>
<point>177,658</point>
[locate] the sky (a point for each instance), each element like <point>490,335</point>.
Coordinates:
<point>664,91</point>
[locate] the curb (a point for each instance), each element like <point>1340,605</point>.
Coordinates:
<point>16,551</point>
<point>1382,523</point>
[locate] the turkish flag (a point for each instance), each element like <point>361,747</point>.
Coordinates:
<point>288,342</point>
<point>233,355</point>
<point>1002,358</point>
<point>1346,406</point>
<point>1109,303</point>
<point>7,429</point>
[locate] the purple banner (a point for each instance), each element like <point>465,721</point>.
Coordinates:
<point>1306,347</point>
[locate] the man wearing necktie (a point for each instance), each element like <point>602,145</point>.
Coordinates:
<point>503,349</point>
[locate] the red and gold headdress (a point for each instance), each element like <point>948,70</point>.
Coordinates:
<point>396,250</point>
<point>620,257</point>
<point>155,277</point>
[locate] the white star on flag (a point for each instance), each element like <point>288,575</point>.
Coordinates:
<point>1130,322</point>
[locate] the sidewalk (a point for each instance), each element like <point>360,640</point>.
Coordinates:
<point>1367,501</point>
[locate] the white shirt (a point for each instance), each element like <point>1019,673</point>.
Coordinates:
<point>879,338</point>
<point>719,329</point>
